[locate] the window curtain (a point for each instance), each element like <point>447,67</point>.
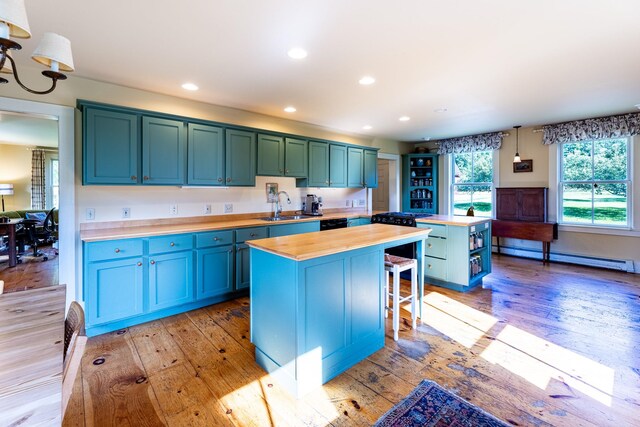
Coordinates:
<point>471,143</point>
<point>37,180</point>
<point>621,126</point>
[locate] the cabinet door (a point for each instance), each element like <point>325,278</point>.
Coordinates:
<point>298,228</point>
<point>507,204</point>
<point>114,290</point>
<point>240,158</point>
<point>355,164</point>
<point>206,155</point>
<point>110,147</point>
<point>243,264</point>
<point>170,279</point>
<point>270,155</point>
<point>318,164</point>
<point>215,272</point>
<point>533,204</point>
<point>370,168</point>
<point>337,165</point>
<point>295,158</point>
<point>163,151</point>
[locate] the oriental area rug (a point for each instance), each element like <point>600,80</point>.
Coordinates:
<point>430,405</point>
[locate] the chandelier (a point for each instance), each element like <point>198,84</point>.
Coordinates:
<point>54,51</point>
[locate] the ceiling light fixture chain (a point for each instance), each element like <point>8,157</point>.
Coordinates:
<point>54,50</point>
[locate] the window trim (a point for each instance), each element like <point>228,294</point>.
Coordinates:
<point>450,181</point>
<point>598,228</point>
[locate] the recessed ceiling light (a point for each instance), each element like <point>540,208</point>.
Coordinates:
<point>297,53</point>
<point>367,80</point>
<point>290,109</point>
<point>404,118</point>
<point>637,106</point>
<point>367,127</point>
<point>189,86</point>
<point>440,110</point>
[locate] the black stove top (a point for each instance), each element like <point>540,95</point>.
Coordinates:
<point>408,219</point>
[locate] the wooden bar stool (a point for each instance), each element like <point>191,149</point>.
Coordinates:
<point>396,265</point>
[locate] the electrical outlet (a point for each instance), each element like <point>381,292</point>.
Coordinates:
<point>173,209</point>
<point>348,203</point>
<point>91,214</point>
<point>207,209</point>
<point>126,213</point>
<point>228,207</point>
<point>361,202</point>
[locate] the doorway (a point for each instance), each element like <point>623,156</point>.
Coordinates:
<point>68,245</point>
<point>386,197</point>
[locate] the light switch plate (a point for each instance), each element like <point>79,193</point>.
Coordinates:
<point>91,214</point>
<point>228,208</point>
<point>173,209</point>
<point>207,209</point>
<point>126,213</point>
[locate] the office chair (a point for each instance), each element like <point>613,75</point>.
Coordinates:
<point>36,233</point>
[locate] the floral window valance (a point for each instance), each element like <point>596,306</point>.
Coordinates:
<point>471,143</point>
<point>624,125</point>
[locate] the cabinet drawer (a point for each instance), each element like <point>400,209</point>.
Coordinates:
<point>173,243</point>
<point>436,247</point>
<point>252,233</point>
<point>113,249</point>
<point>435,267</point>
<point>214,238</point>
<point>438,230</point>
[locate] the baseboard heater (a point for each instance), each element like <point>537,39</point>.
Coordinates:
<point>612,264</point>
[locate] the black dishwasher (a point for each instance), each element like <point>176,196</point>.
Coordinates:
<point>332,224</point>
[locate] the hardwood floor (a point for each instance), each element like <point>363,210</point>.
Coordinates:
<point>538,345</point>
<point>32,273</point>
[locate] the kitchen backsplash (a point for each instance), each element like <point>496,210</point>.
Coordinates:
<point>147,202</point>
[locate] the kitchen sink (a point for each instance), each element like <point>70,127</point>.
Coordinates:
<point>282,218</point>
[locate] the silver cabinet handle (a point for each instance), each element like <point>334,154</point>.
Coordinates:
<point>219,179</point>
<point>146,178</point>
<point>172,244</point>
<point>139,263</point>
<point>228,179</point>
<point>117,250</point>
<point>152,262</point>
<point>280,170</point>
<point>134,178</point>
<point>429,245</point>
<point>215,239</point>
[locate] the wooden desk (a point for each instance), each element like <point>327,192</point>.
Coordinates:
<point>9,229</point>
<point>31,346</point>
<point>543,232</point>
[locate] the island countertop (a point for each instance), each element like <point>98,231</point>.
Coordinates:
<point>453,220</point>
<point>301,247</point>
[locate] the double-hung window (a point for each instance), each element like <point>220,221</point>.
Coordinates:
<point>472,183</point>
<point>595,183</point>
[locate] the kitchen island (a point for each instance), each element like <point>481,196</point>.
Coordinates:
<point>317,300</point>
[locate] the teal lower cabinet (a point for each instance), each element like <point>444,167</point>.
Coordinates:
<point>296,228</point>
<point>354,222</point>
<point>115,290</point>
<point>170,280</point>
<point>457,256</point>
<point>311,320</point>
<point>243,273</point>
<point>215,271</point>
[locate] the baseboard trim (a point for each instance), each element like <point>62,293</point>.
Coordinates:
<point>626,265</point>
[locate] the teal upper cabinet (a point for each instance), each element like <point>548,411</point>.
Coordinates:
<point>318,164</point>
<point>110,147</point>
<point>295,158</point>
<point>278,156</point>
<point>370,169</point>
<point>420,183</point>
<point>270,155</point>
<point>164,147</point>
<point>240,158</point>
<point>354,167</point>
<point>205,155</point>
<point>337,165</point>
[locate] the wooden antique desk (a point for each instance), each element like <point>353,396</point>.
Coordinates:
<point>521,213</point>
<point>9,229</point>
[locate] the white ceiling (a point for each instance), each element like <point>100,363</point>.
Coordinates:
<point>493,64</point>
<point>28,130</point>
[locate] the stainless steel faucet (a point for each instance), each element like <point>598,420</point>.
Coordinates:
<point>278,210</point>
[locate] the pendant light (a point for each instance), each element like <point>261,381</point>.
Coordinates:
<point>516,158</point>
